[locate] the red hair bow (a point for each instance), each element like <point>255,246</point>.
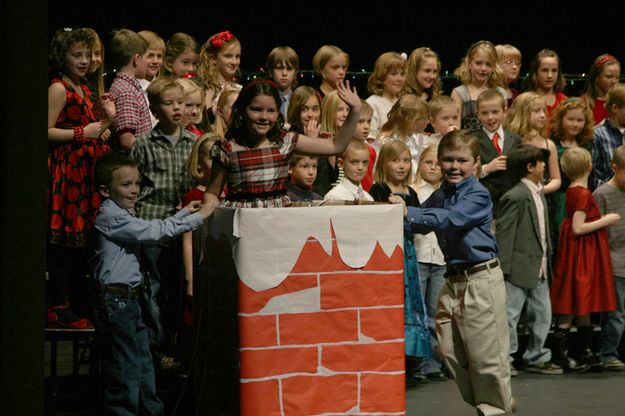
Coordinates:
<point>222,37</point>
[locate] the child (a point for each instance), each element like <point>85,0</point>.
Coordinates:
<point>608,135</point>
<point>304,111</point>
<point>362,133</point>
<point>333,114</point>
<point>74,147</point>
<point>253,158</point>
<point>220,57</point>
<point>527,118</point>
<point>282,66</point>
<point>523,238</point>
<point>473,339</point>
<point>443,115</point>
<point>95,74</point>
<point>430,256</point>
<point>422,72</point>
<point>571,127</point>
<point>354,162</point>
<point>161,158</point>
<point>154,56</point>
<point>495,144</point>
<point>385,83</point>
<point>478,71</point>
<point>303,171</point>
<point>181,55</point>
<point>392,174</point>
<point>611,198</point>
<point>199,166</point>
<point>224,111</point>
<point>406,122</point>
<point>582,279</point>
<point>604,72</point>
<point>192,105</point>
<point>509,58</point>
<point>128,54</point>
<point>330,63</point>
<point>124,348</point>
<point>545,78</point>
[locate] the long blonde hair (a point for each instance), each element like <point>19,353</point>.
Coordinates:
<point>463,72</point>
<point>426,151</point>
<point>518,119</point>
<point>220,127</point>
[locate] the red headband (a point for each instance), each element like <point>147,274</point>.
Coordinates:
<point>605,59</point>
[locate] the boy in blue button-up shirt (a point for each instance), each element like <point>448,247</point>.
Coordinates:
<point>471,321</point>
<point>128,372</point>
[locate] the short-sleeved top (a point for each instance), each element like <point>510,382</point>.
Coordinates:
<point>257,177</point>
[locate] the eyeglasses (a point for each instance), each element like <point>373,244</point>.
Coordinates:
<point>512,62</point>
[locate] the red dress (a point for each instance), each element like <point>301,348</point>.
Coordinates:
<point>73,199</point>
<point>582,280</point>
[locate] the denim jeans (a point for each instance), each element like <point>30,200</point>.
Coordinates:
<point>431,279</point>
<point>613,324</point>
<point>127,371</point>
<point>538,312</point>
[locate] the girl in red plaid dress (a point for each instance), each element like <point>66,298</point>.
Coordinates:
<point>254,156</point>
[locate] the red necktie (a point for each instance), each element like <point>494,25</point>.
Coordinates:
<point>495,141</point>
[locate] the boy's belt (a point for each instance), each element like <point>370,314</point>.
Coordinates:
<point>126,292</point>
<point>465,270</point>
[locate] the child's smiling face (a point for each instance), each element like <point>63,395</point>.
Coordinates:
<point>458,165</point>
<point>261,114</point>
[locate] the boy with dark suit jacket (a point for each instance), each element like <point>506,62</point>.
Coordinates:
<point>523,237</point>
<point>495,144</point>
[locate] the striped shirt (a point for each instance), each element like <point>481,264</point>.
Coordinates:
<point>164,174</point>
<point>612,199</point>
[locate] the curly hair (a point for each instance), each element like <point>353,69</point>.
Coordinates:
<point>573,103</point>
<point>207,70</point>
<point>518,119</point>
<point>63,41</point>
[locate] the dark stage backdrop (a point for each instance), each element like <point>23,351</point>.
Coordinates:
<point>576,31</point>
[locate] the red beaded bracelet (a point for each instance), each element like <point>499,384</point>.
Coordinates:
<point>79,134</point>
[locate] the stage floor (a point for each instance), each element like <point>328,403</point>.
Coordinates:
<point>537,395</point>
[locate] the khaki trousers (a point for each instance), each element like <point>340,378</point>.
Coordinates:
<point>472,332</point>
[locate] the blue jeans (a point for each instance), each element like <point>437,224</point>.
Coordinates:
<point>538,313</point>
<point>613,324</point>
<point>431,279</point>
<point>127,370</point>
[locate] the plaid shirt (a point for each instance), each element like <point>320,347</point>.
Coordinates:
<point>164,174</point>
<point>606,139</point>
<point>133,114</point>
<point>256,172</point>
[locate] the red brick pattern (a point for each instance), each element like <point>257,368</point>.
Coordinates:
<point>346,356</point>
